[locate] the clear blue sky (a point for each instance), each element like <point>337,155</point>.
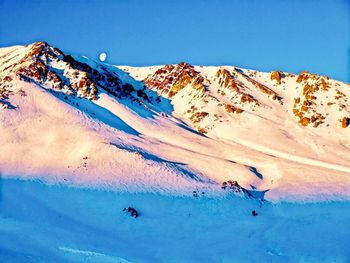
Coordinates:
<point>288,35</point>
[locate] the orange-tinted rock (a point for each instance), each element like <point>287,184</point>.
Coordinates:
<point>227,80</point>
<point>247,98</point>
<point>198,116</point>
<point>272,94</point>
<point>198,84</point>
<point>7,79</point>
<point>276,75</point>
<point>313,118</point>
<point>171,79</point>
<point>202,130</point>
<point>304,108</point>
<point>305,121</point>
<point>345,122</point>
<point>183,80</point>
<point>323,84</point>
<point>303,76</point>
<point>232,109</point>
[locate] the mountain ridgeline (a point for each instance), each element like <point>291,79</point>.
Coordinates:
<point>316,100</point>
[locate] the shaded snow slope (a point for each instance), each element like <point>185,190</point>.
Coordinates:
<point>60,224</point>
<point>172,129</point>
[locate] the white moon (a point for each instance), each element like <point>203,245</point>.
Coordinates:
<point>103,56</point>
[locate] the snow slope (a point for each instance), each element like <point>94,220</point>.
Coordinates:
<point>60,224</point>
<point>81,122</point>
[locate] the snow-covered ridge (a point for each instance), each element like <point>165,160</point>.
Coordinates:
<point>176,129</point>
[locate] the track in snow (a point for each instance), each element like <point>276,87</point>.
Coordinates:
<point>293,158</point>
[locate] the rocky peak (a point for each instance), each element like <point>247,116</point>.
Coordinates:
<point>170,79</point>
<point>51,68</point>
<point>43,49</point>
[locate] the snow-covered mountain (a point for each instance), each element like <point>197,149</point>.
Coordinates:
<point>176,129</point>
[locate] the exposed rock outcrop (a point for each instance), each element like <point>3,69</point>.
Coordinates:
<point>51,68</point>
<point>227,80</point>
<point>345,122</point>
<point>170,79</point>
<point>276,75</point>
<point>232,109</point>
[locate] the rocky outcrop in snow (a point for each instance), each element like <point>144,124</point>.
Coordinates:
<point>52,69</point>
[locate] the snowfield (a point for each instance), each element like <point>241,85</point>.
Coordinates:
<point>223,164</point>
<point>56,223</point>
<point>107,144</point>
